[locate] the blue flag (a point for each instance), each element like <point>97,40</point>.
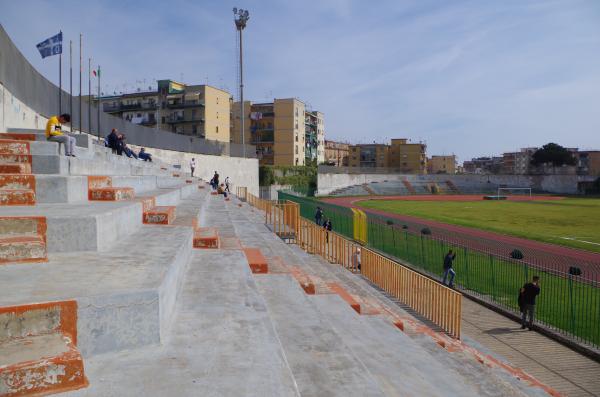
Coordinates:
<point>51,46</point>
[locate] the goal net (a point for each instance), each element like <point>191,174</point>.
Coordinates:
<point>514,191</point>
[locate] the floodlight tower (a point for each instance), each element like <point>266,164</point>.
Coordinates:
<point>241,18</point>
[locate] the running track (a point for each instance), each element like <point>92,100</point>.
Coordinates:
<point>543,255</point>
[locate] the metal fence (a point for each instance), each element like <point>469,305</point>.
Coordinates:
<point>569,305</point>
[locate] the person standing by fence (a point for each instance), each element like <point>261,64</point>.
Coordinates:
<point>318,216</point>
<point>327,226</point>
<point>448,270</point>
<point>527,297</point>
<point>356,259</point>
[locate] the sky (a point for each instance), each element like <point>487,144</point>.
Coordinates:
<point>471,78</point>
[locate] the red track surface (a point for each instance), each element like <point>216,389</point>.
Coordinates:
<point>544,255</point>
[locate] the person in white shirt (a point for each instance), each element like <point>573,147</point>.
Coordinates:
<point>193,165</point>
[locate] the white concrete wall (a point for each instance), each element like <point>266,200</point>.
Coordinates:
<point>561,184</point>
<point>13,112</point>
<point>241,172</point>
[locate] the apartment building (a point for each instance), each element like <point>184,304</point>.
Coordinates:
<point>400,154</point>
<point>441,165</point>
<point>284,131</point>
<point>337,153</point>
<point>196,110</point>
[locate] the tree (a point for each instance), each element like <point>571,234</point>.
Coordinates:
<point>554,154</point>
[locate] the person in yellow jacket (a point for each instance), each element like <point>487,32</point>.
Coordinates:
<point>54,133</point>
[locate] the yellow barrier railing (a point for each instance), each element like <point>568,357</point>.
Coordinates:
<point>433,300</point>
<point>241,192</point>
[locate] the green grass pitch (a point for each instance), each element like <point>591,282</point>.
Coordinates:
<point>572,222</point>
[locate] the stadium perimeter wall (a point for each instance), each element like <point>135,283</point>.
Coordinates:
<point>27,99</point>
<point>333,178</point>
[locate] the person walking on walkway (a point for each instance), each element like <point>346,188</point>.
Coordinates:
<point>448,270</point>
<point>54,133</point>
<point>227,185</point>
<point>193,165</point>
<point>356,259</point>
<point>327,226</point>
<point>318,216</point>
<point>527,296</point>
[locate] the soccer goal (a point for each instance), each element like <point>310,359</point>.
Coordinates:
<point>514,191</point>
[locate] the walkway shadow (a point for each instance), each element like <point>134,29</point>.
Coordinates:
<point>501,331</point>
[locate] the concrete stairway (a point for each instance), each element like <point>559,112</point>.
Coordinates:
<point>105,226</point>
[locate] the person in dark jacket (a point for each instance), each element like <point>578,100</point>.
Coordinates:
<point>318,216</point>
<point>527,301</point>
<point>327,226</point>
<point>448,270</point>
<point>112,140</point>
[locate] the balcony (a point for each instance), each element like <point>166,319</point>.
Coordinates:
<point>182,119</point>
<point>124,107</point>
<point>267,137</point>
<point>185,105</point>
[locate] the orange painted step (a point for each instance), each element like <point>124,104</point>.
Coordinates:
<point>111,194</point>
<point>17,197</point>
<point>206,237</point>
<point>256,261</point>
<point>17,181</point>
<point>163,215</point>
<point>38,349</point>
<point>99,181</point>
<point>15,168</point>
<point>11,158</point>
<point>23,239</point>
<point>23,249</point>
<point>14,146</point>
<point>338,289</point>
<point>17,137</point>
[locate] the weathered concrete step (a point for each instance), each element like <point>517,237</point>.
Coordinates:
<point>39,365</point>
<point>18,137</point>
<point>320,361</point>
<point>222,342</point>
<point>397,363</point>
<point>12,226</point>
<point>256,260</point>
<point>15,168</point>
<point>23,249</point>
<point>17,181</point>
<point>161,215</point>
<point>14,146</point>
<point>38,349</point>
<point>17,197</point>
<point>125,297</point>
<point>111,194</point>
<point>206,237</point>
<point>11,158</point>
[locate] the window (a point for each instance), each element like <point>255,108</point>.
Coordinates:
<point>217,115</point>
<point>194,129</point>
<point>217,129</point>
<point>163,119</point>
<point>296,149</point>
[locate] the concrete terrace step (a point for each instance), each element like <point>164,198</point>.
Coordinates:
<point>320,361</point>
<point>222,342</point>
<point>125,297</point>
<point>161,215</point>
<point>38,349</point>
<point>96,225</point>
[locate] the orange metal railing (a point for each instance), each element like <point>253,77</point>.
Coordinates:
<point>431,299</point>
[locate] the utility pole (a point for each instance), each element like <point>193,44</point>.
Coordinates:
<point>80,67</point>
<point>90,95</point>
<point>241,18</point>
<point>71,82</point>
<point>98,103</point>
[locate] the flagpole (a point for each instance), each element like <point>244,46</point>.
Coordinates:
<point>98,104</point>
<point>80,67</point>
<point>90,95</point>
<point>60,83</point>
<point>71,81</point>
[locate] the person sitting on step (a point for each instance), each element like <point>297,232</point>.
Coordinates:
<point>221,190</point>
<point>54,133</point>
<point>144,156</point>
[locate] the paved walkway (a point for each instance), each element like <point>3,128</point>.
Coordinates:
<point>550,362</point>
